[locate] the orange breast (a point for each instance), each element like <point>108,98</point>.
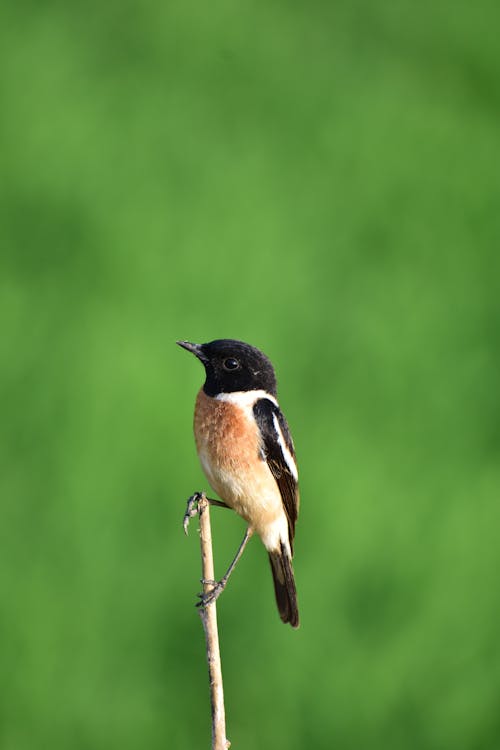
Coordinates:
<point>228,444</point>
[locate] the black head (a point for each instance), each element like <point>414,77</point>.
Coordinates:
<point>233,366</point>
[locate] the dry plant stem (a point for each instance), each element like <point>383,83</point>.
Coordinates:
<point>209,620</point>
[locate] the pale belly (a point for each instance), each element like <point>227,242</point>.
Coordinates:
<point>250,491</point>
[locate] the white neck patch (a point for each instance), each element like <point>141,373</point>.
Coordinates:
<point>245,399</point>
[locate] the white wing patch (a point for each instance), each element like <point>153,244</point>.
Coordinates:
<point>292,466</point>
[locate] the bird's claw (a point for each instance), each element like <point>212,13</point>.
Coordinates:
<point>208,597</point>
<point>191,510</point>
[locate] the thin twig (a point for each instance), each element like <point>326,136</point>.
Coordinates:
<point>209,619</point>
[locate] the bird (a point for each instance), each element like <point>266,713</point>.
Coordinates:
<point>247,454</point>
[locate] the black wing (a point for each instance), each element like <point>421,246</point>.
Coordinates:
<point>278,451</point>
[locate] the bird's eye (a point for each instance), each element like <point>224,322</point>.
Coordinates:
<point>230,364</point>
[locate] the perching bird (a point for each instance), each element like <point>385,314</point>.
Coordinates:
<point>247,454</point>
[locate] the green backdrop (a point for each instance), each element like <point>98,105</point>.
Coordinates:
<point>323,181</point>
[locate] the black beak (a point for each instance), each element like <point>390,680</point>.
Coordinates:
<point>196,349</point>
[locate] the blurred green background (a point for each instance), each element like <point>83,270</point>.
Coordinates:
<point>323,181</point>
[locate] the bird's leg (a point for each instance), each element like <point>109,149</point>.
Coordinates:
<point>219,586</point>
<point>192,507</point>
<point>217,503</point>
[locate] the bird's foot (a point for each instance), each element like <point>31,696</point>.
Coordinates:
<point>191,509</point>
<point>208,597</point>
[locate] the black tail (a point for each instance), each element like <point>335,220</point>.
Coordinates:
<point>284,586</point>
